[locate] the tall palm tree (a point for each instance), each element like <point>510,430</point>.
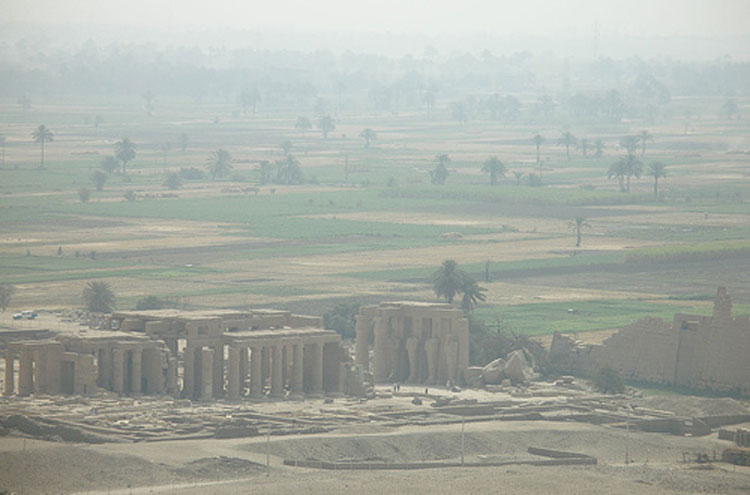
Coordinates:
<point>42,135</point>
<point>125,151</point>
<point>643,137</point>
<point>567,139</point>
<point>472,294</point>
<point>630,143</point>
<point>538,139</point>
<point>494,167</point>
<point>448,280</point>
<point>368,135</point>
<point>625,168</point>
<point>288,171</point>
<point>98,297</point>
<point>2,143</point>
<point>578,223</point>
<point>440,173</point>
<point>618,171</point>
<point>286,147</point>
<point>219,163</point>
<point>657,170</point>
<point>266,169</point>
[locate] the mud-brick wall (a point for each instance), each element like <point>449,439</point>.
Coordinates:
<point>645,351</point>
<point>727,363</point>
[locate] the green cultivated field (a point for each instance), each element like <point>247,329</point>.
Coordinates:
<point>367,224</point>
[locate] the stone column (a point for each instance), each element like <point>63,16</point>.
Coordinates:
<point>316,381</point>
<point>233,380</point>
<point>381,370</point>
<point>451,355</point>
<point>218,370</point>
<point>207,369</point>
<point>298,373</point>
<point>244,365</point>
<point>432,347</point>
<point>172,388</point>
<point>171,343</point>
<point>118,371</point>
<point>40,371</point>
<point>277,388</point>
<point>10,383</point>
<point>105,368</point>
<point>137,374</point>
<point>25,373</point>
<point>412,348</point>
<point>256,374</point>
<point>362,344</point>
<point>188,373</point>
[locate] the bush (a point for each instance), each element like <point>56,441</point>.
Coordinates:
<point>84,195</point>
<point>191,173</point>
<point>173,181</point>
<point>130,196</point>
<point>153,302</point>
<point>609,381</point>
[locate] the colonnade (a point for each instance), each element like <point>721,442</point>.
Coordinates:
<point>256,368</point>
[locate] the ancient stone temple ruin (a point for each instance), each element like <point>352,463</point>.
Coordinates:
<point>426,343</point>
<point>703,352</point>
<point>195,354</point>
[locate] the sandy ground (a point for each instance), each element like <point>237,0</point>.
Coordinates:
<point>210,466</point>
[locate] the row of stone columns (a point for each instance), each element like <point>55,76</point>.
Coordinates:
<point>278,364</point>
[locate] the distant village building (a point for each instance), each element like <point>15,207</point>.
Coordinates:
<point>702,352</point>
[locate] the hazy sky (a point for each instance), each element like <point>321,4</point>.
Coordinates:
<point>457,17</point>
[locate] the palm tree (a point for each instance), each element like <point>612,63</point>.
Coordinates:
<point>2,143</point>
<point>584,145</point>
<point>494,167</point>
<point>617,170</point>
<point>578,223</point>
<point>98,297</point>
<point>657,170</point>
<point>625,168</point>
<point>518,176</point>
<point>266,169</point>
<point>219,163</point>
<point>538,139</point>
<point>368,135</point>
<point>125,151</point>
<point>326,124</point>
<point>643,137</point>
<point>440,173</point>
<point>567,139</point>
<point>472,294</point>
<point>448,280</point>
<point>6,294</point>
<point>289,171</point>
<point>249,98</point>
<point>630,143</point>
<point>599,145</point>
<point>42,135</point>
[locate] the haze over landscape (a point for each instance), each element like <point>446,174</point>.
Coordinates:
<point>321,247</point>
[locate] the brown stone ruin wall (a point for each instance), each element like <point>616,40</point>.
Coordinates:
<point>643,351</point>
